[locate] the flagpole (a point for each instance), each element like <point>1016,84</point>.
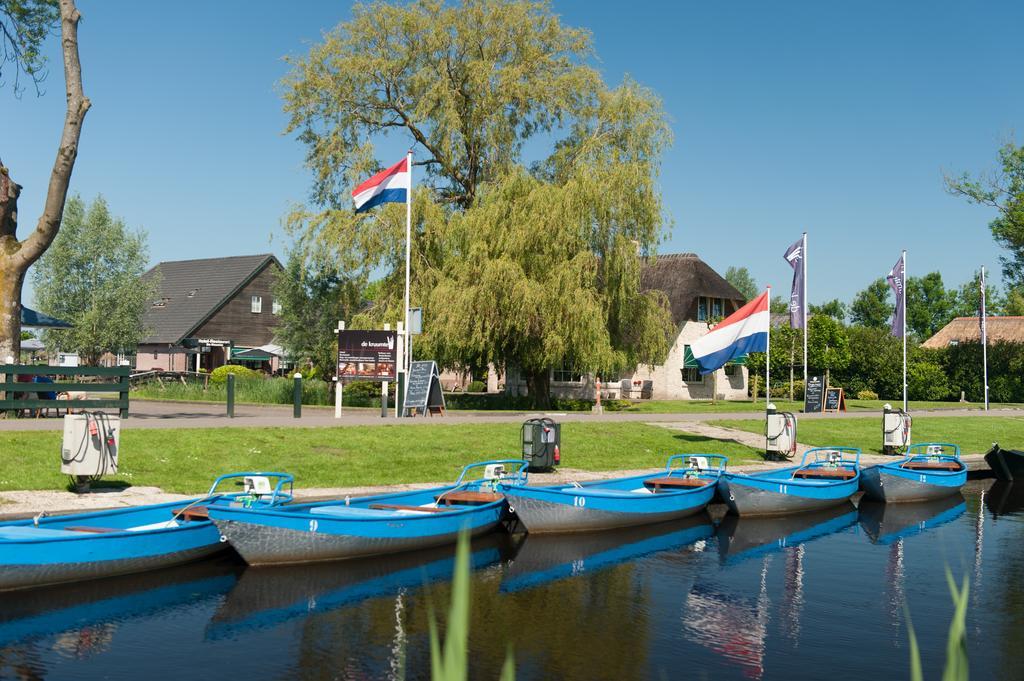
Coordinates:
<point>408,248</point>
<point>984,336</point>
<point>805,311</point>
<point>903,284</point>
<point>768,359</point>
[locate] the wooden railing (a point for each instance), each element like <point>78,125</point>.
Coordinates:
<point>20,395</point>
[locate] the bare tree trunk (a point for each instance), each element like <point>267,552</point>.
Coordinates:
<point>538,384</point>
<point>17,256</point>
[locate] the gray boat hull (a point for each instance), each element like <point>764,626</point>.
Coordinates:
<point>752,501</point>
<point>881,486</point>
<point>260,544</point>
<point>27,576</point>
<point>540,516</point>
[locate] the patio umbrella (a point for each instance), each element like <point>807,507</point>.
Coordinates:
<point>39,320</point>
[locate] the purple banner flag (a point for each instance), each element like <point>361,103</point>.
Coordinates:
<point>795,258</point>
<point>896,281</point>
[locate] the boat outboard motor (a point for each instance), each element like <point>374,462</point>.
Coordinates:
<point>780,434</point>
<point>896,425</point>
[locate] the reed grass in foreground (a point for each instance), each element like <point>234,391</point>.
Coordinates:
<point>957,663</point>
<point>188,460</point>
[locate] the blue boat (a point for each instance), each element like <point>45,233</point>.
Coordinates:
<point>69,548</point>
<point>621,502</point>
<point>930,470</point>
<point>827,476</point>
<point>887,523</point>
<point>372,525</point>
<point>754,537</point>
<point>546,559</point>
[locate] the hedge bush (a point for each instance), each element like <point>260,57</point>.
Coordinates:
<point>867,395</point>
<point>476,387</point>
<point>220,374</point>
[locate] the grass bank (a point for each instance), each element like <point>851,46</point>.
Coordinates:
<point>732,406</point>
<point>188,460</point>
<point>974,434</point>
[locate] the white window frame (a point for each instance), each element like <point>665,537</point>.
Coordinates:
<point>558,375</point>
<point>275,307</point>
<point>256,304</point>
<point>691,375</point>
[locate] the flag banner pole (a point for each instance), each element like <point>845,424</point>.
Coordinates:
<point>406,357</point>
<point>805,311</point>
<point>984,336</point>
<point>767,359</point>
<point>904,284</point>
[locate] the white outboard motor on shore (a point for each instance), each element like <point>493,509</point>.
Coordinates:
<point>896,425</point>
<point>780,434</point>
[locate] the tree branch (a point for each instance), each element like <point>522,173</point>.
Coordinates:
<point>60,177</point>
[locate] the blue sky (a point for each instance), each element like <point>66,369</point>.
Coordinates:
<point>835,118</point>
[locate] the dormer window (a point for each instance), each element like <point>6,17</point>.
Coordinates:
<point>161,302</point>
<point>193,292</point>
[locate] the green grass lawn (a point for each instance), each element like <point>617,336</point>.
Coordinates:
<point>974,434</point>
<point>188,460</point>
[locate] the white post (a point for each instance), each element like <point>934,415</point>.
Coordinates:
<point>768,360</point>
<point>338,381</point>
<point>984,336</point>
<point>805,306</point>
<point>408,248</point>
<point>904,284</point>
<point>400,356</point>
<point>384,386</point>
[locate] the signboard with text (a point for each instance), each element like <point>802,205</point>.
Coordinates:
<point>813,394</point>
<point>367,355</point>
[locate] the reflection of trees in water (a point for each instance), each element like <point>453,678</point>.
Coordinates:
<point>1008,572</point>
<point>542,624</point>
<point>21,662</point>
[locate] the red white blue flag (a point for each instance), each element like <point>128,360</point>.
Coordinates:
<point>388,186</point>
<point>742,332</point>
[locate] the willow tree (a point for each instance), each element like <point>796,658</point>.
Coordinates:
<point>25,24</point>
<point>548,247</point>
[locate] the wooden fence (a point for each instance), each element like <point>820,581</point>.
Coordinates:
<point>20,395</point>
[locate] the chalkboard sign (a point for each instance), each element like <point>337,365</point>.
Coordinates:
<point>835,400</point>
<point>423,392</point>
<point>813,402</point>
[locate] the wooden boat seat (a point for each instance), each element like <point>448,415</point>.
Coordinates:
<point>931,466</point>
<point>468,498</point>
<point>825,474</point>
<point>407,507</point>
<point>194,513</point>
<point>93,530</point>
<point>672,482</point>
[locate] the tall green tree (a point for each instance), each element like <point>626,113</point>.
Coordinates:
<point>872,307</point>
<point>1002,190</point>
<point>24,25</point>
<point>314,296</point>
<point>966,300</point>
<point>834,308</point>
<point>91,277</point>
<point>740,278</point>
<point>528,265</point>
<point>929,305</point>
<point>828,345</point>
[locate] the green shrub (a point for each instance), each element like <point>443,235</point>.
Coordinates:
<point>476,387</point>
<point>220,374</point>
<point>867,395</point>
<point>927,381</point>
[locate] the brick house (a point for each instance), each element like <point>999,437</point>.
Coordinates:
<point>210,312</point>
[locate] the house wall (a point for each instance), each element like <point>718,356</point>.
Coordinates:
<point>236,321</point>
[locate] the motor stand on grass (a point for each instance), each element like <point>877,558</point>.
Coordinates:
<point>896,425</point>
<point>90,447</point>
<point>780,434</point>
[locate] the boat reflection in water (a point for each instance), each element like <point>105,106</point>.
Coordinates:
<point>84,616</point>
<point>269,596</point>
<point>542,559</point>
<point>887,523</point>
<point>749,537</point>
<point>1004,498</point>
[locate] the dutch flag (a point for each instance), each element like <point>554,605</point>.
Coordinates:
<point>744,331</point>
<point>387,186</point>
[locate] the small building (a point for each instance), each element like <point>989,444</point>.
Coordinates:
<point>696,294</point>
<point>211,312</point>
<point>968,330</point>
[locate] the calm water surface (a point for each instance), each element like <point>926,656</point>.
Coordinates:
<point>805,597</point>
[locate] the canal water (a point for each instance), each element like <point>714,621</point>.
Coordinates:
<point>814,596</point>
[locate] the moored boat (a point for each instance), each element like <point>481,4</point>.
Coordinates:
<point>827,476</point>
<point>887,523</point>
<point>676,492</point>
<point>930,470</point>
<point>372,525</point>
<point>54,549</point>
<point>1007,464</point>
<point>755,537</point>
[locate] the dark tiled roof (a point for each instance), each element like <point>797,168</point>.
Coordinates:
<point>192,290</point>
<point>683,277</point>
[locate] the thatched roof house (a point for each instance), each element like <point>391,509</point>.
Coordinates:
<point>685,278</point>
<point>968,330</point>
